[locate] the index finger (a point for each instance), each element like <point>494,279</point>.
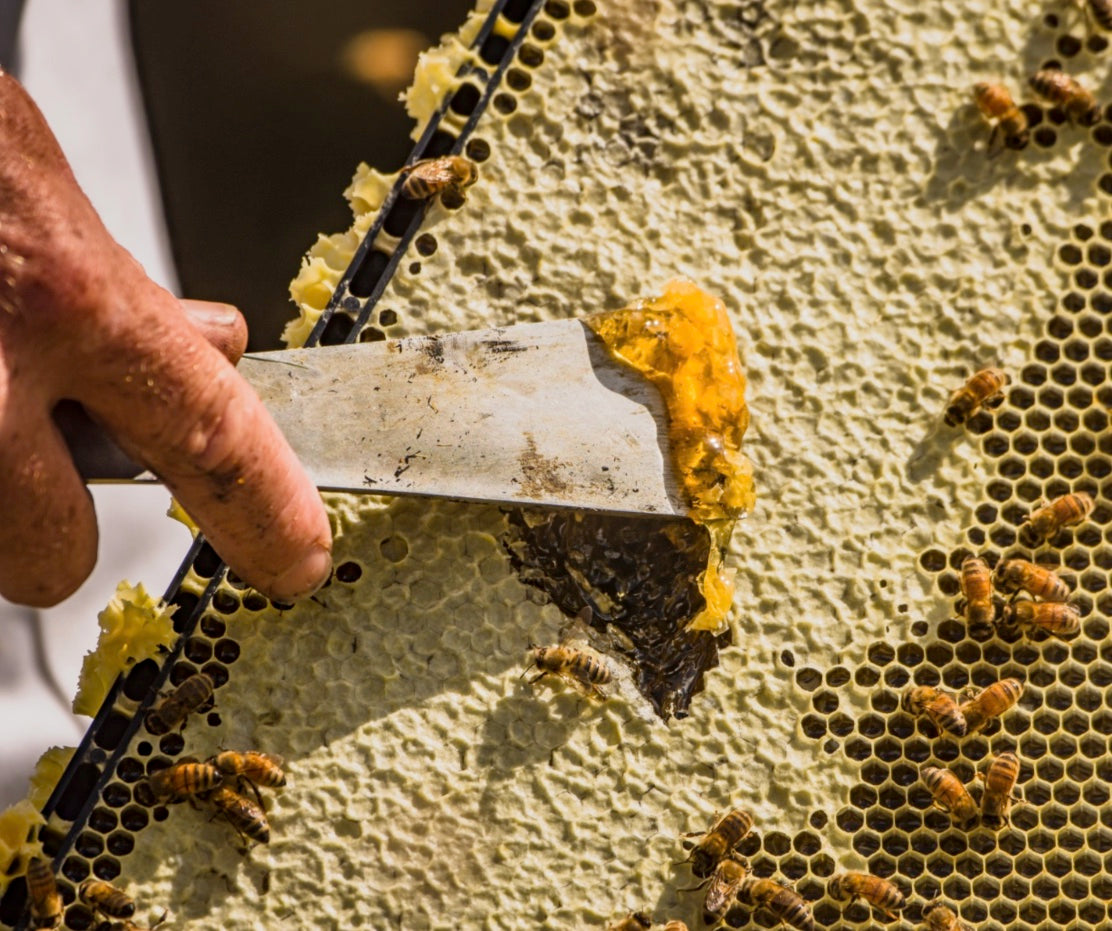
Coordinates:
<point>175,404</point>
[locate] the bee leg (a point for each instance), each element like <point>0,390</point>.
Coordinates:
<point>243,780</point>
<point>695,888</point>
<point>992,150</point>
<point>244,839</point>
<point>537,678</point>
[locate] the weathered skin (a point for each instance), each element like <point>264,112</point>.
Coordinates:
<point>79,319</point>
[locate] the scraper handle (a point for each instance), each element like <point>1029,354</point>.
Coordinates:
<point>94,452</point>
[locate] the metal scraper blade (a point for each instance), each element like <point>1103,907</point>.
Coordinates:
<point>534,414</point>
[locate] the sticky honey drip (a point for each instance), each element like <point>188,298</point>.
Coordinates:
<point>683,343</point>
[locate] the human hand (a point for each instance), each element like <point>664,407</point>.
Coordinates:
<point>80,320</point>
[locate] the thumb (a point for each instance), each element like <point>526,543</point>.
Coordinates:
<point>221,324</point>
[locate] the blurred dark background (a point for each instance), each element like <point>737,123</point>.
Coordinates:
<point>259,113</point>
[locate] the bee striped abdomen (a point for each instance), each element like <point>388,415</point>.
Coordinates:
<point>876,891</point>
<point>720,841</point>
<point>1000,780</point>
<point>980,389</point>
<point>1061,620</point>
<point>1101,11</point>
<point>264,769</point>
<point>106,898</point>
<point>990,703</point>
<point>42,891</point>
<point>243,814</point>
<point>187,698</point>
<point>786,904</point>
<point>1065,91</point>
<point>939,707</point>
<point>1065,511</point>
<point>184,779</point>
<point>951,796</point>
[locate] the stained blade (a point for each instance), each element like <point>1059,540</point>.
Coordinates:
<point>534,414</point>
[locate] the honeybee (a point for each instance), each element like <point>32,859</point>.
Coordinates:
<point>983,389</point>
<point>634,921</point>
<point>675,925</point>
<point>976,586</point>
<point>719,841</point>
<point>42,891</point>
<point>256,769</point>
<point>1058,620</point>
<point>1066,92</point>
<point>937,917</point>
<point>105,898</point>
<point>1044,522</point>
<point>577,666</point>
<point>942,710</point>
<point>999,781</point>
<point>878,892</point>
<point>184,779</point>
<point>431,176</point>
<point>950,796</point>
<point>1100,11</point>
<point>723,889</point>
<point>248,818</point>
<point>786,904</point>
<point>188,697</point>
<point>264,769</point>
<point>1014,575</point>
<point>990,703</point>
<point>996,104</point>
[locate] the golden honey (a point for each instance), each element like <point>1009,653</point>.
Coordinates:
<point>684,344</point>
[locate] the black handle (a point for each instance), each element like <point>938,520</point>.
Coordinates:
<point>94,452</point>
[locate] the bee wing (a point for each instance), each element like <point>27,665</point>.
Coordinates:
<point>433,171</point>
<point>718,895</point>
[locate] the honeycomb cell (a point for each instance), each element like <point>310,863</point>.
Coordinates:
<point>79,918</point>
<point>253,601</point>
<point>120,843</point>
<point>103,820</point>
<point>911,865</point>
<point>212,626</point>
<point>134,818</point>
<point>198,649</point>
<point>866,676</point>
<point>850,820</point>
<point>225,602</point>
<point>866,843</point>
<point>116,795</point>
<point>863,797</point>
<point>871,725</point>
<point>814,726</point>
<point>825,702</point>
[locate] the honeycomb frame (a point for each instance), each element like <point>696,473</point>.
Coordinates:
<point>1050,868</point>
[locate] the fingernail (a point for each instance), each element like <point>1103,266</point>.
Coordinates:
<point>304,578</point>
<point>210,313</point>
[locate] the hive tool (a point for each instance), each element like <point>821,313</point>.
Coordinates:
<point>533,414</point>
